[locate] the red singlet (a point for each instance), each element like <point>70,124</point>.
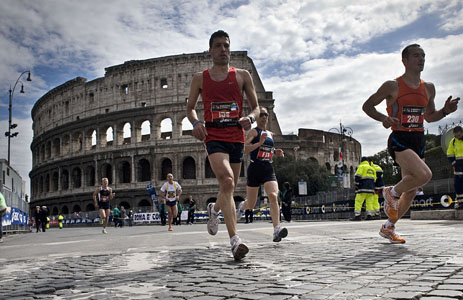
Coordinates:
<point>223,106</point>
<point>409,107</point>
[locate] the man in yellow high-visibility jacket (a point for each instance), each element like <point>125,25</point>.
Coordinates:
<point>455,156</point>
<point>60,221</point>
<point>365,178</point>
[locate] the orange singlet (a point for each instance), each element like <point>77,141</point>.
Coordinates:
<point>409,107</point>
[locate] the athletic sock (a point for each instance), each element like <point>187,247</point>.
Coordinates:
<point>394,193</point>
<point>388,224</point>
<point>233,239</point>
<point>276,228</point>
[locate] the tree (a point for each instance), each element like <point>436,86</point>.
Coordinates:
<point>291,170</point>
<point>391,173</point>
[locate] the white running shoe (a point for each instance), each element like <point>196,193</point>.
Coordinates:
<point>239,249</point>
<point>239,211</point>
<point>104,231</point>
<point>213,222</point>
<point>279,234</point>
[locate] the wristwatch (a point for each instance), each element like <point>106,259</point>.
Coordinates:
<point>251,118</point>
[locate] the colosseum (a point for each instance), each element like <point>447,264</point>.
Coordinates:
<point>112,127</point>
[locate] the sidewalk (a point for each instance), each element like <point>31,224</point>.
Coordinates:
<point>318,260</point>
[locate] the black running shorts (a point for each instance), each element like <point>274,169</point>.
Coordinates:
<point>103,204</point>
<point>402,140</point>
<point>260,173</point>
<point>234,150</point>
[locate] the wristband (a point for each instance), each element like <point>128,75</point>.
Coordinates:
<point>251,118</point>
<point>196,122</point>
<point>443,112</point>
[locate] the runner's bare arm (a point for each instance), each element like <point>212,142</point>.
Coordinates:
<point>199,131</point>
<point>251,96</point>
<point>386,91</point>
<point>111,194</point>
<point>248,147</point>
<point>433,115</point>
<point>95,194</point>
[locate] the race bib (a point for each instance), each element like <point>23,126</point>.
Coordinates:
<point>412,117</point>
<point>104,198</point>
<point>225,113</point>
<point>171,194</point>
<point>265,153</point>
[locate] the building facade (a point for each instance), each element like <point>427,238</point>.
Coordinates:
<point>80,135</point>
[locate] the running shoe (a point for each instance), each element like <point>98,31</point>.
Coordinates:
<point>239,249</point>
<point>213,222</point>
<point>390,204</point>
<point>239,211</point>
<point>1,240</point>
<point>104,231</point>
<point>389,233</point>
<point>170,228</point>
<point>279,234</point>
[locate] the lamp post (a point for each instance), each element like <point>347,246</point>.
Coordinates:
<point>343,131</point>
<point>11,126</point>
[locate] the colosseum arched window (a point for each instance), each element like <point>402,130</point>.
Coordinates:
<point>41,184</point>
<point>77,142</point>
<point>65,210</point>
<point>90,207</point>
<point>187,128</point>
<point>313,160</point>
<point>144,170</point>
<point>124,172</point>
<point>90,176</point>
<point>42,153</point>
<point>54,181</point>
<point>76,208</point>
<point>125,204</point>
<point>88,139</point>
<point>144,205</point>
<point>145,130</point>
<point>46,186</point>
<point>328,167</point>
<point>127,133</point>
<point>189,168</point>
<point>166,168</point>
<point>76,177</point>
<point>56,147</point>
<point>66,144</point>
<point>109,136</point>
<point>55,211</point>
<point>166,129</point>
<point>64,179</point>
<point>48,150</point>
<point>107,172</point>
<point>208,173</point>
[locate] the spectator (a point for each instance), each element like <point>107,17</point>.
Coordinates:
<point>191,211</point>
<point>116,216</point>
<point>123,215</point>
<point>130,219</point>
<point>286,199</point>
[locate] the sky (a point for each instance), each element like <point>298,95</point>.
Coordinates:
<point>321,59</point>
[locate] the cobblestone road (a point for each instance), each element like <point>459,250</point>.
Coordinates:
<point>318,260</point>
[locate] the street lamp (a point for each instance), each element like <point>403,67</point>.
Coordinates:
<point>343,131</point>
<point>10,134</point>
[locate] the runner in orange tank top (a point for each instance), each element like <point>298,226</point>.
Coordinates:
<point>410,102</point>
<point>222,131</point>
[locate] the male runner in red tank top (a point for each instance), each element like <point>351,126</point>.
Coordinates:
<point>221,88</point>
<point>409,102</point>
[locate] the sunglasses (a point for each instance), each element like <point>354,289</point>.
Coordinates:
<point>263,114</point>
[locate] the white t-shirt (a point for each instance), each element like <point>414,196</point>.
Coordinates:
<point>171,189</point>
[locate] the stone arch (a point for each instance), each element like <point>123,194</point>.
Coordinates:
<point>328,166</point>
<point>125,204</point>
<point>187,127</point>
<point>145,205</point>
<point>107,171</point>
<point>144,170</point>
<point>76,177</point>
<point>211,200</point>
<point>77,141</point>
<point>313,160</point>
<point>76,208</point>
<point>66,144</point>
<point>127,133</point>
<point>64,179</point>
<point>125,171</point>
<point>90,139</point>
<point>166,168</point>
<point>42,153</point>
<point>54,181</point>
<point>109,135</point>
<point>41,184</point>
<point>55,211</point>
<point>146,130</point>
<point>46,185</point>
<point>90,176</point>
<point>189,168</point>
<point>208,173</point>
<point>90,207</point>
<point>48,149</point>
<point>166,128</point>
<point>65,210</point>
<point>56,147</point>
